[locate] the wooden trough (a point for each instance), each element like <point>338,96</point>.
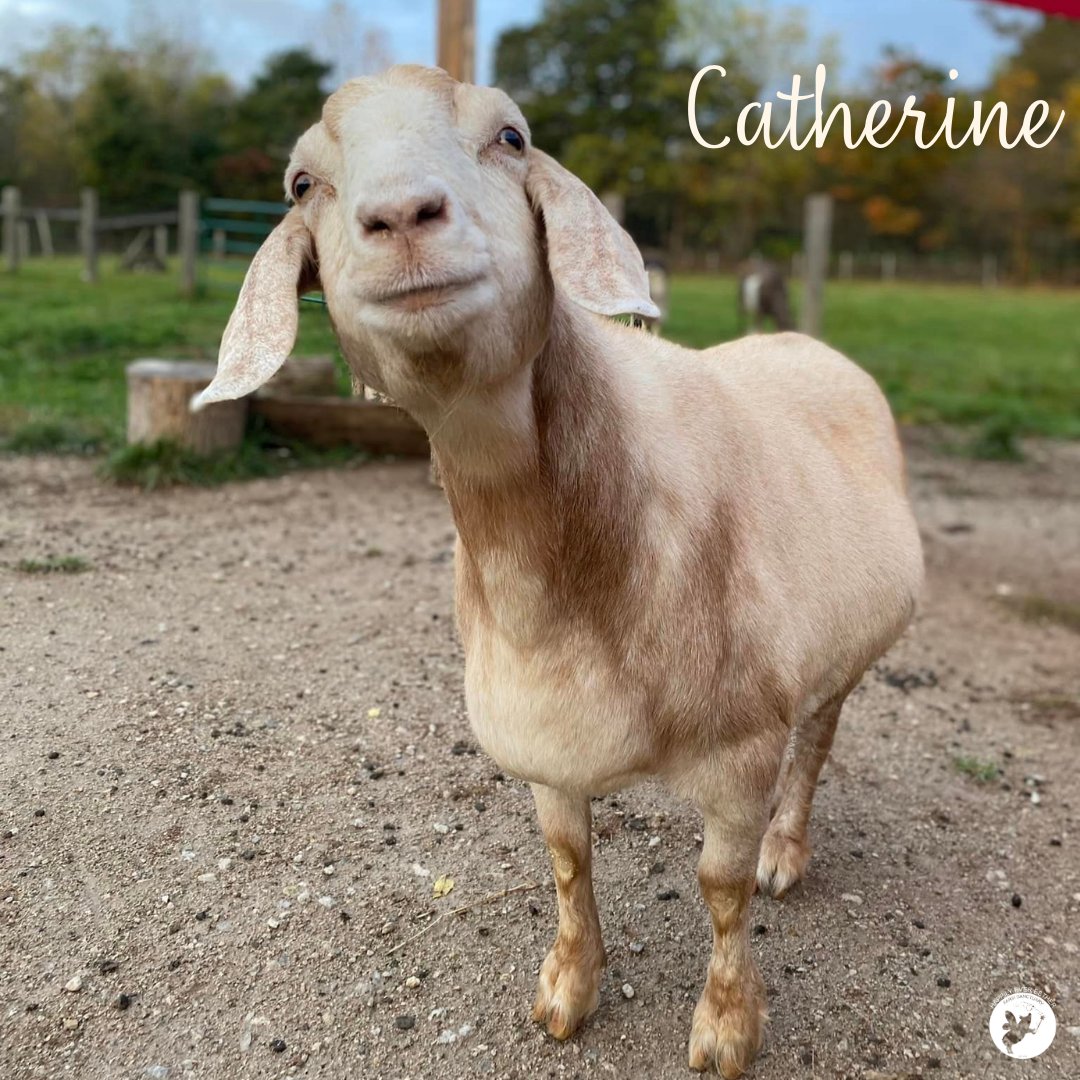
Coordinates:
<point>298,403</point>
<point>335,421</point>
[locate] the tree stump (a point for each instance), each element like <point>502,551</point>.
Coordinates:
<point>159,396</point>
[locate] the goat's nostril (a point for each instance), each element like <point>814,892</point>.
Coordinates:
<point>376,225</point>
<point>432,210</point>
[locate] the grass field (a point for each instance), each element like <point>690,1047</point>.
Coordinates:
<point>944,354</point>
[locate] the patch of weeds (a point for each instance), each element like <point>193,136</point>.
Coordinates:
<point>165,464</point>
<point>981,771</point>
<point>1043,609</point>
<point>997,440</point>
<point>51,437</point>
<point>1049,705</point>
<point>53,564</point>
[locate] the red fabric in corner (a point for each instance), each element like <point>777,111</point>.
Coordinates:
<point>1069,8</point>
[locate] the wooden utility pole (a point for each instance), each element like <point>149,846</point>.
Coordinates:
<point>457,38</point>
<point>815,263</point>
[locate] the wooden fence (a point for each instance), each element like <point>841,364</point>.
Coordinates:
<point>219,227</point>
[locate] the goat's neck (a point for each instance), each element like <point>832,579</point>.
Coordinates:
<point>513,458</point>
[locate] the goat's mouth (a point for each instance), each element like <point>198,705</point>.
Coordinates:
<point>420,297</point>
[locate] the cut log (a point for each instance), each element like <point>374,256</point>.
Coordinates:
<point>330,421</point>
<point>302,376</point>
<point>159,395</point>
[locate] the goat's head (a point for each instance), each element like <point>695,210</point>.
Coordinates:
<point>438,235</point>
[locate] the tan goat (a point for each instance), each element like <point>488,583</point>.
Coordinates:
<point>670,563</point>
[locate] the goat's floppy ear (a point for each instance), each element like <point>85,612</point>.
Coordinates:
<point>590,255</point>
<point>262,329</point>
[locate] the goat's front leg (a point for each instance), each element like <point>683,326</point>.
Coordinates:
<point>570,977</point>
<point>730,1017</point>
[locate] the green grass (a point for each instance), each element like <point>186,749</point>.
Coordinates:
<point>164,464</point>
<point>1001,363</point>
<point>53,564</point>
<point>1042,609</point>
<point>64,345</point>
<point>981,771</point>
<point>1004,362</point>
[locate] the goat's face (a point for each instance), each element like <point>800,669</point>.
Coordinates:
<point>437,234</point>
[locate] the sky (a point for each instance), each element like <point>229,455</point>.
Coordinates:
<point>240,33</point>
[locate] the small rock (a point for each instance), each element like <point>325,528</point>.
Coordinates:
<point>412,982</point>
<point>668,894</point>
<point>404,1023</point>
<point>1017,899</point>
<point>74,984</point>
<point>107,967</point>
<point>123,1002</point>
<point>657,868</point>
<point>627,991</point>
<point>851,898</point>
<point>944,981</point>
<point>278,1046</point>
<point>70,1023</point>
<point>479,806</point>
<point>637,946</point>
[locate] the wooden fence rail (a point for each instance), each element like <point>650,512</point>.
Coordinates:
<point>150,245</point>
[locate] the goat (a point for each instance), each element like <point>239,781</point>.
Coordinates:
<point>763,295</point>
<point>669,563</point>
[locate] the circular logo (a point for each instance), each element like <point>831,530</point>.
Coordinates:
<point>1022,1024</point>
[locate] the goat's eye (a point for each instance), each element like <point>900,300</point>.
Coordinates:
<point>513,138</point>
<point>301,185</point>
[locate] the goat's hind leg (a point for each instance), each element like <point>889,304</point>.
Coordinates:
<point>785,848</point>
<point>570,976</point>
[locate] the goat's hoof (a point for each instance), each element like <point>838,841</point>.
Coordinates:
<point>782,862</point>
<point>729,1026</point>
<point>567,994</point>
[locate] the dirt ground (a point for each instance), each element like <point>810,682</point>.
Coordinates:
<point>235,759</point>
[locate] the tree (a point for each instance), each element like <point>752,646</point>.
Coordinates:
<point>284,100</point>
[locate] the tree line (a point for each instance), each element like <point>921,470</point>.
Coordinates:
<point>604,84</point>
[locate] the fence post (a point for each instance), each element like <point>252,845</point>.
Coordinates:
<point>816,245</point>
<point>23,235</point>
<point>188,242</point>
<point>847,265</point>
<point>989,271</point>
<point>219,241</point>
<point>888,266</point>
<point>88,235</point>
<point>44,232</point>
<point>10,207</point>
<point>161,243</point>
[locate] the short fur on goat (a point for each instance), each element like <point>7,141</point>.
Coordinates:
<point>670,563</point>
